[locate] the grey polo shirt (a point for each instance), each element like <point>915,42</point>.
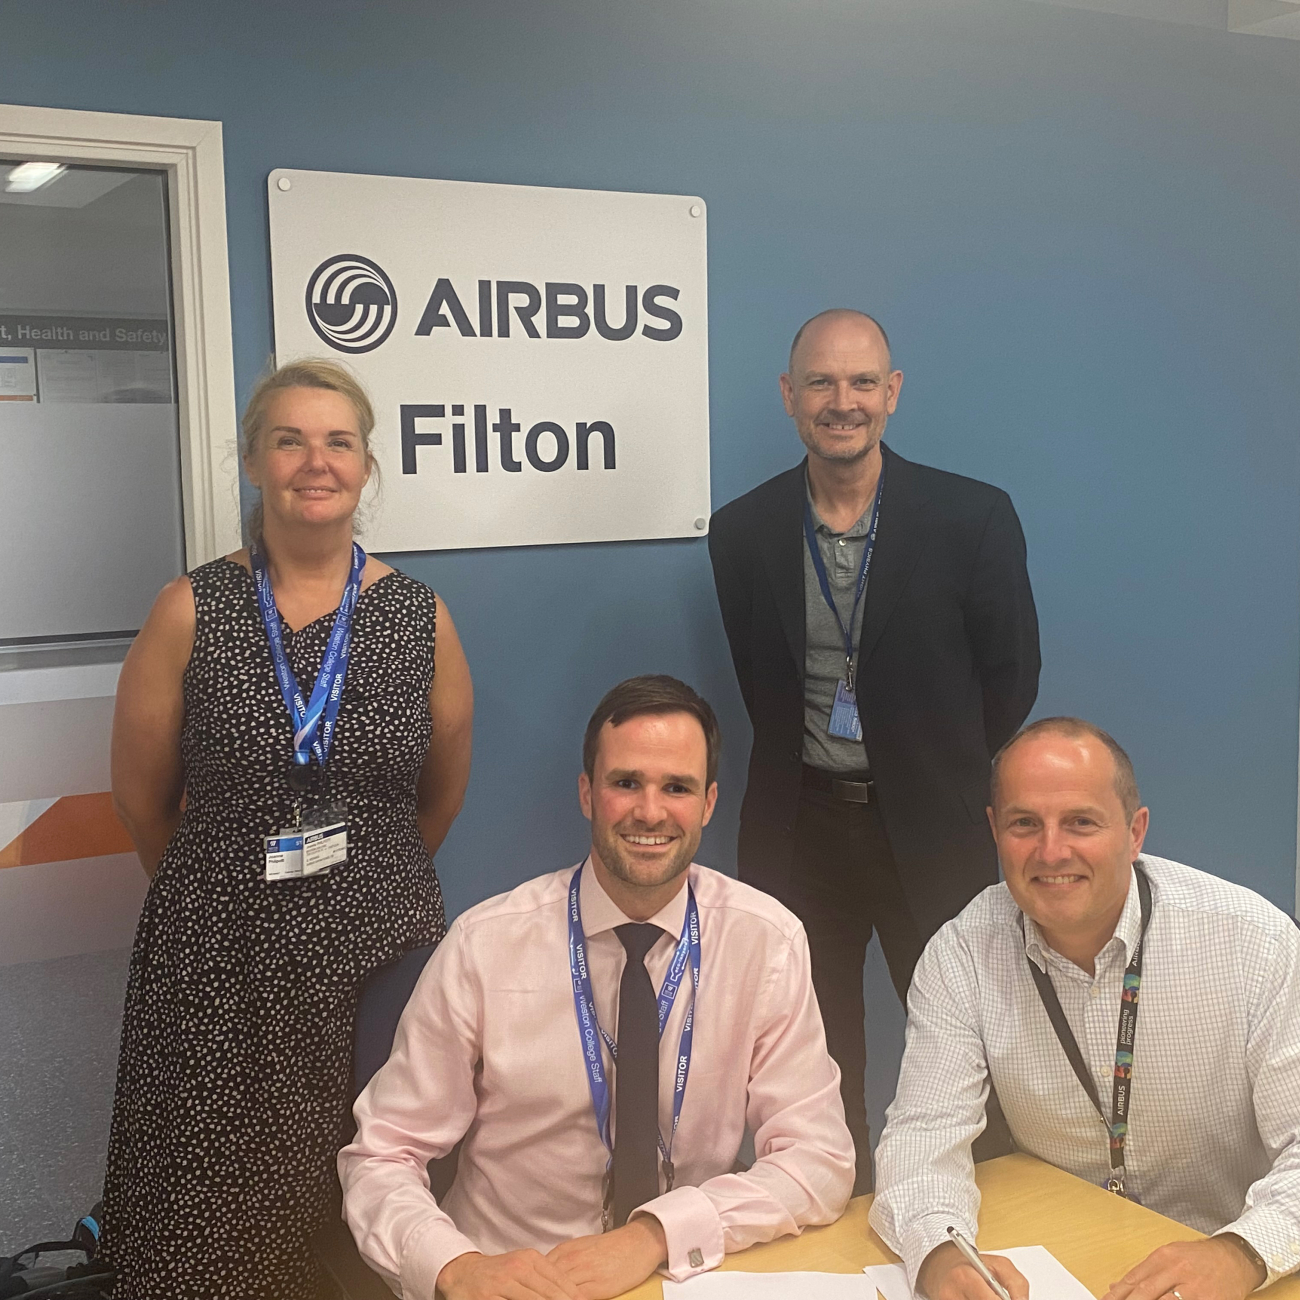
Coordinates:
<point>824,646</point>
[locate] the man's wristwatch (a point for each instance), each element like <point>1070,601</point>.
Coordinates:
<point>1246,1249</point>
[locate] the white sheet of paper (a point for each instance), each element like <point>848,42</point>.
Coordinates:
<point>772,1286</point>
<point>1048,1278</point>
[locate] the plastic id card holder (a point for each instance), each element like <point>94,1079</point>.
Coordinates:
<point>845,722</point>
<point>291,855</point>
<point>324,847</point>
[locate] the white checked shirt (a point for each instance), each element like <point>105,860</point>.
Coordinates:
<point>1214,1121</point>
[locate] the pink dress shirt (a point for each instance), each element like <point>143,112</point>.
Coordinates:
<point>488,1049</point>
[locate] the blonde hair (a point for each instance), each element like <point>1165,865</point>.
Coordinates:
<point>310,372</point>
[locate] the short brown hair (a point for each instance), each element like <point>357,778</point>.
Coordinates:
<point>310,372</point>
<point>1126,786</point>
<point>652,693</point>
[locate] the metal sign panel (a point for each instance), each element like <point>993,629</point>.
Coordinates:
<point>537,358</point>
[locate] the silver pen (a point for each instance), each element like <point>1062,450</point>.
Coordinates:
<point>958,1239</point>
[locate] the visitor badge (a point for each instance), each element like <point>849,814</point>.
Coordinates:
<point>845,722</point>
<point>284,855</point>
<point>324,847</point>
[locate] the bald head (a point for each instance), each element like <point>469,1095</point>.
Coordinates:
<point>1068,825</point>
<point>840,391</point>
<point>834,321</point>
<point>1124,778</point>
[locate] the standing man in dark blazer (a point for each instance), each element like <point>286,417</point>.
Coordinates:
<point>884,637</point>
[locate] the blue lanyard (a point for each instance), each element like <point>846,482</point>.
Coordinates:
<point>310,736</point>
<point>688,950</point>
<point>819,565</point>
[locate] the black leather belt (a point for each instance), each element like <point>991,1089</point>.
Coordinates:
<point>839,787</point>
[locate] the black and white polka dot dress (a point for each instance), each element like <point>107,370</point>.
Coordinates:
<point>235,1069</point>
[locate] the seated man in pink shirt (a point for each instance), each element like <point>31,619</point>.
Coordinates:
<point>601,1037</point>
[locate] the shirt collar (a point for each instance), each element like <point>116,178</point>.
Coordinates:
<point>859,528</point>
<point>600,912</point>
<point>1126,933</point>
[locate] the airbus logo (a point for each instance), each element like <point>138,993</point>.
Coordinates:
<point>351,303</point>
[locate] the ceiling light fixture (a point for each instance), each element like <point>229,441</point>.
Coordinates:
<point>30,176</point>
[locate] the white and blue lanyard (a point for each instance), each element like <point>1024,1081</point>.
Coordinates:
<point>688,952</point>
<point>313,719</point>
<point>819,566</point>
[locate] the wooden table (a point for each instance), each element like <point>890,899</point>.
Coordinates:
<point>1097,1236</point>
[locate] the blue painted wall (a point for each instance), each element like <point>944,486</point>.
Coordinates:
<point>1082,232</point>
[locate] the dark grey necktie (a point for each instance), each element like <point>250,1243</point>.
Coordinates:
<point>636,1078</point>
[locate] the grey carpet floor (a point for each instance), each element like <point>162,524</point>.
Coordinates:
<point>59,1026</point>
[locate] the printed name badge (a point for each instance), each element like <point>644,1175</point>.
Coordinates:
<point>284,856</point>
<point>324,847</point>
<point>845,722</point>
<point>293,854</point>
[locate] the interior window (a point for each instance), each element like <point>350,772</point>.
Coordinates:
<point>90,488</point>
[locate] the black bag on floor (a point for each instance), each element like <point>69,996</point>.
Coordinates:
<point>24,1275</point>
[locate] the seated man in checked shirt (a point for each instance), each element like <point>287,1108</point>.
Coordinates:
<point>1212,1135</point>
<point>490,1048</point>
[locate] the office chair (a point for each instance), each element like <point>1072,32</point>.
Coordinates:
<point>382,999</point>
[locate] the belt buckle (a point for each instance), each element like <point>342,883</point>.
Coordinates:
<point>851,791</point>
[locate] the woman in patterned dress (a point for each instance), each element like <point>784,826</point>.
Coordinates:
<point>235,1065</point>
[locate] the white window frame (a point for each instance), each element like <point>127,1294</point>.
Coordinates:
<point>190,152</point>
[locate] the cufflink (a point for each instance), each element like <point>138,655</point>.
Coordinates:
<point>696,1258</point>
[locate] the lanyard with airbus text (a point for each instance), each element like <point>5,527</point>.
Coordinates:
<point>1117,1125</point>
<point>313,719</point>
<point>845,721</point>
<point>688,952</point>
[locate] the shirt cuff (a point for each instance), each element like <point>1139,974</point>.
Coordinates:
<point>926,1234</point>
<point>692,1229</point>
<point>428,1252</point>
<point>1275,1239</point>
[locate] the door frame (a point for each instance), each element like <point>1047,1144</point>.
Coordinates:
<point>190,152</point>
